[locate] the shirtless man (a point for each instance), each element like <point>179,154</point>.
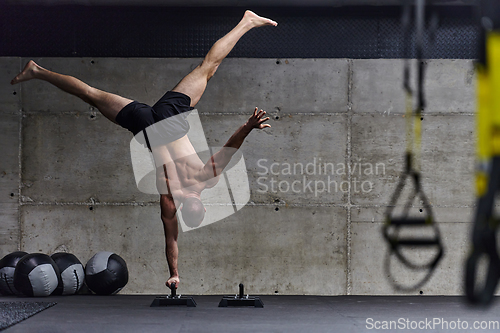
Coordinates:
<point>181,175</point>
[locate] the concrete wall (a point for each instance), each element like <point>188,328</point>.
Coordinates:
<point>67,182</point>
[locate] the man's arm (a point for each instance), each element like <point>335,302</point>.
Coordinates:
<point>170,228</point>
<point>220,160</point>
<point>255,121</point>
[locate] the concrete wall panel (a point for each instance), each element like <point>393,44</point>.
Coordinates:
<point>133,232</point>
<point>447,157</point>
<point>238,86</point>
<point>9,228</point>
<point>9,183</point>
<point>9,152</point>
<point>442,214</point>
<point>369,274</point>
<point>145,80</point>
<point>377,86</point>
<point>450,86</point>
<point>10,96</point>
<point>286,162</point>
<point>76,158</point>
<point>10,105</point>
<point>280,86</point>
<point>257,246</point>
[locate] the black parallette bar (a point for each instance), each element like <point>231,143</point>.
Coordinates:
<point>172,289</point>
<point>229,301</point>
<point>177,301</point>
<point>241,290</point>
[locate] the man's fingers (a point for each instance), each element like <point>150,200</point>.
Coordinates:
<point>259,114</point>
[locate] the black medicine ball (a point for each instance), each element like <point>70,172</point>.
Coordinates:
<point>36,274</point>
<point>106,273</point>
<point>72,273</point>
<point>7,268</point>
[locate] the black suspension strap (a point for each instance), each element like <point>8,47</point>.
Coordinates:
<point>394,224</point>
<point>486,221</point>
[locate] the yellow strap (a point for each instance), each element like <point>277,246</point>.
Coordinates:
<point>417,127</point>
<point>409,122</point>
<point>483,121</point>
<point>493,68</point>
<point>488,111</point>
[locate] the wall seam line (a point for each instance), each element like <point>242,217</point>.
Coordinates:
<point>19,160</point>
<point>250,204</point>
<point>223,114</point>
<point>349,157</point>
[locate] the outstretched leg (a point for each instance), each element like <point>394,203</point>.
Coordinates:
<point>194,83</point>
<point>108,104</point>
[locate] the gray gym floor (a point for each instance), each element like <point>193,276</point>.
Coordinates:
<point>309,314</point>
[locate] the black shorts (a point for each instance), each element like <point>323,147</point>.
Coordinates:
<point>168,116</point>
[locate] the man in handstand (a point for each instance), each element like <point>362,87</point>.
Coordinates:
<point>181,175</point>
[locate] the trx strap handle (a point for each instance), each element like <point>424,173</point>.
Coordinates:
<point>483,296</point>
<point>393,224</point>
<point>408,221</point>
<point>484,245</point>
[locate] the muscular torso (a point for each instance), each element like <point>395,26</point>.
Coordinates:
<point>183,169</point>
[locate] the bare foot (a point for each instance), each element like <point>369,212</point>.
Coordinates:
<point>173,279</point>
<point>258,21</point>
<point>28,73</point>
